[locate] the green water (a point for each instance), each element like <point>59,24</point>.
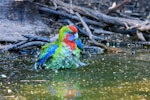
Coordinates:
<point>109,77</point>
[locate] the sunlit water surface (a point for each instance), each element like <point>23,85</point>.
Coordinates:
<point>109,77</point>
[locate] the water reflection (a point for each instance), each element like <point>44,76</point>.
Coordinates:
<point>64,90</point>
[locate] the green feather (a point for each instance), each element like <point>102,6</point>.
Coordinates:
<point>63,31</point>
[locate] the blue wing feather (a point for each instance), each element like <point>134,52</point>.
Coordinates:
<point>79,44</point>
<point>47,54</point>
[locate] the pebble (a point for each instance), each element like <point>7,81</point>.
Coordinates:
<point>3,76</point>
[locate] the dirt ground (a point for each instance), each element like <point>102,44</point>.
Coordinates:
<point>12,30</point>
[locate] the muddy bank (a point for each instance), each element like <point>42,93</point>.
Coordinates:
<point>17,19</point>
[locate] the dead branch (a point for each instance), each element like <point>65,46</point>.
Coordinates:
<point>99,31</point>
<point>64,14</point>
<point>140,36</point>
<point>13,46</point>
<point>86,26</point>
<point>75,8</point>
<point>90,33</point>
<point>30,44</point>
<point>105,18</point>
<point>116,7</point>
<point>39,38</point>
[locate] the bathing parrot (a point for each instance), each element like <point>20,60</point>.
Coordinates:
<point>64,52</point>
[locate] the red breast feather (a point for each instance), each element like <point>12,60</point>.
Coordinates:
<point>71,44</point>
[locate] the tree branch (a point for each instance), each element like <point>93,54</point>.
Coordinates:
<point>116,7</point>
<point>105,18</point>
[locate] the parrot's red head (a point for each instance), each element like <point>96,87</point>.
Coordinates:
<point>73,28</point>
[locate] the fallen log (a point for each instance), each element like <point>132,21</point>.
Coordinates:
<point>29,42</point>
<point>39,38</point>
<point>125,22</point>
<point>64,14</point>
<point>14,46</point>
<point>140,25</point>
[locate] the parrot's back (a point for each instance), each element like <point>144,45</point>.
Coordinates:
<point>56,56</point>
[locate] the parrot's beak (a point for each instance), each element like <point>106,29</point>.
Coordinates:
<point>76,35</point>
<point>73,37</point>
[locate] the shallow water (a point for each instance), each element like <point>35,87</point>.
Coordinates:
<point>109,77</point>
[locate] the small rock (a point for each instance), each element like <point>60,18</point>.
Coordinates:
<point>3,76</point>
<point>9,90</point>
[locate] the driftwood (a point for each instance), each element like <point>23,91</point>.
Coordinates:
<point>64,14</point>
<point>29,42</point>
<point>91,23</point>
<point>128,23</point>
<point>113,9</point>
<point>105,18</point>
<point>90,33</point>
